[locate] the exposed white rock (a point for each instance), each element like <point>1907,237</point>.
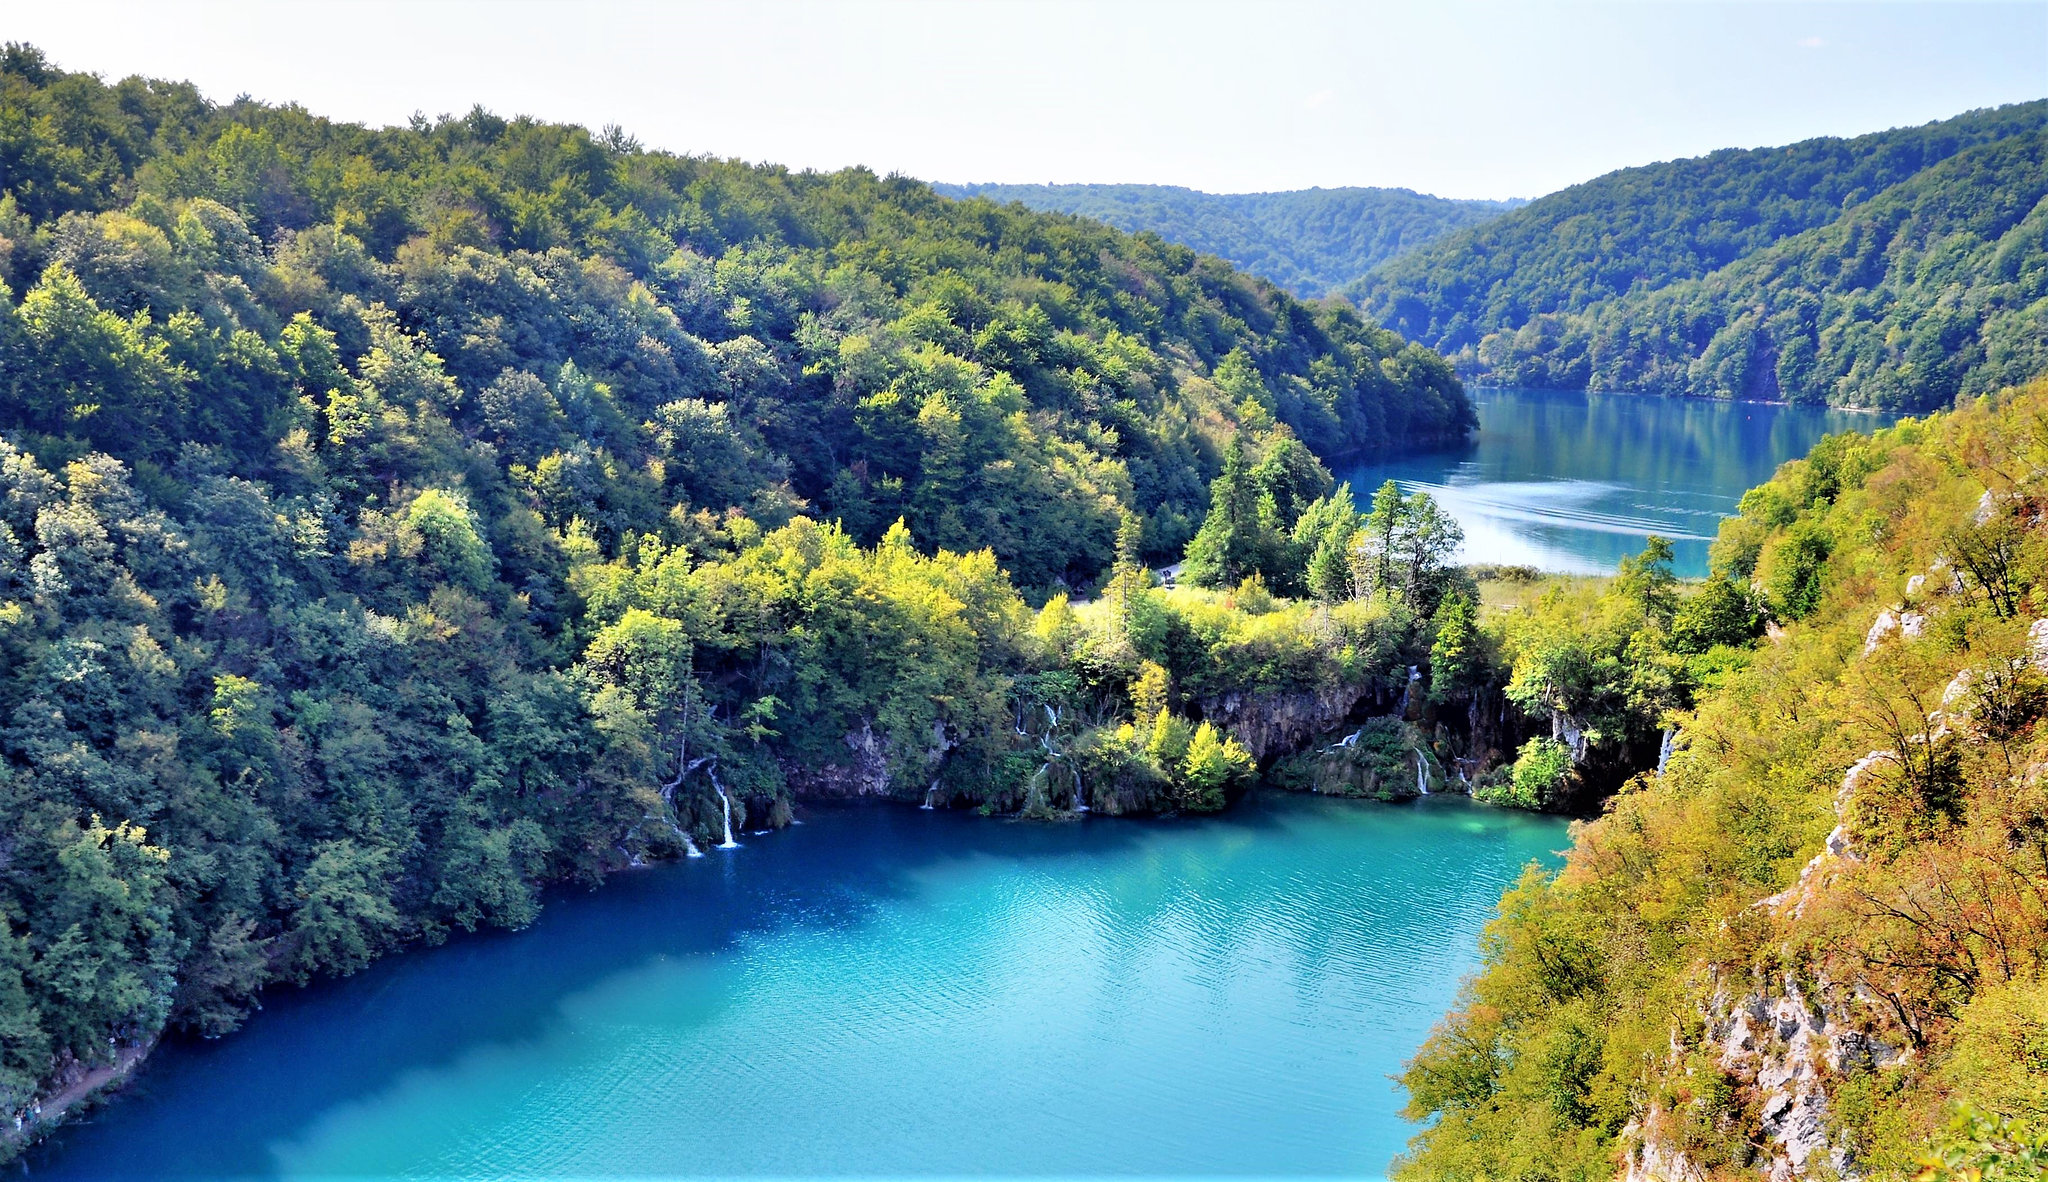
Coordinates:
<point>1989,504</point>
<point>1901,620</point>
<point>1784,1047</point>
<point>1569,731</point>
<point>1942,577</point>
<point>1653,1161</point>
<point>1838,846</point>
<point>2037,645</point>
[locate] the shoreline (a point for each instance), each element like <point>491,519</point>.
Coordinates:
<point>104,1082</point>
<point>98,1084</point>
<point>1473,385</point>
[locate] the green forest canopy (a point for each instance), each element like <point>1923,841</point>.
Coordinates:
<point>1895,269</point>
<point>814,318</point>
<point>1310,241</point>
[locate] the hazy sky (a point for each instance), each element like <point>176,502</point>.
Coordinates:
<point>1461,99</point>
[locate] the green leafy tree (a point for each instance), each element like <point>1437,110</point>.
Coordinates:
<point>1979,1146</point>
<point>1457,657</point>
<point>1214,765</point>
<point>1325,533</point>
<point>1539,777</point>
<point>1721,612</point>
<point>1648,581</point>
<point>107,971</point>
<point>345,917</point>
<point>1376,556</point>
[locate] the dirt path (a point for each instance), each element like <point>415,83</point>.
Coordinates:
<point>55,1105</point>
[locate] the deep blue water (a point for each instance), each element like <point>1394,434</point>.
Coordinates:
<point>880,992</point>
<point>1573,482</point>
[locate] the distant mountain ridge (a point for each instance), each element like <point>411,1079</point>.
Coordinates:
<point>1900,269</point>
<point>1310,241</point>
<point>1935,289</point>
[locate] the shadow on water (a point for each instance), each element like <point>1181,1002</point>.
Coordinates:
<point>217,1108</point>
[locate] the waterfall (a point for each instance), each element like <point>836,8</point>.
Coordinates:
<point>728,842</point>
<point>928,794</point>
<point>1080,795</point>
<point>1421,773</point>
<point>723,799</point>
<point>668,804</point>
<point>1665,748</point>
<point>1038,790</point>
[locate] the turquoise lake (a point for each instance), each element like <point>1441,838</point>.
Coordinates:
<point>1573,482</point>
<point>879,992</point>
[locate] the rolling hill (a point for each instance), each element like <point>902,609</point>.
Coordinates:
<point>1830,269</point>
<point>1310,241</point>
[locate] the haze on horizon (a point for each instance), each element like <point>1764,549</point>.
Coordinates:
<point>1462,99</point>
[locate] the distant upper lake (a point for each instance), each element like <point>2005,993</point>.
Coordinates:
<point>1573,482</point>
<point>880,992</point>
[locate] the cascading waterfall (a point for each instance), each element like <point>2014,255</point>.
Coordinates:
<point>1421,773</point>
<point>928,794</point>
<point>668,804</point>
<point>728,843</point>
<point>1039,792</point>
<point>1665,748</point>
<point>726,801</point>
<point>1080,794</point>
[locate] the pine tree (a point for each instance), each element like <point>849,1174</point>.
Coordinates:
<point>1225,547</point>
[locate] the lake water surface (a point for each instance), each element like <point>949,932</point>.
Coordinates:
<point>881,992</point>
<point>1573,482</point>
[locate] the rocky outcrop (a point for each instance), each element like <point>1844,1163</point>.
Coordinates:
<point>1781,1043</point>
<point>1385,759</point>
<point>865,771</point>
<point>1279,723</point>
<point>1784,1044</point>
<point>1900,620</point>
<point>1569,731</point>
<point>1650,1160</point>
<point>1793,899</point>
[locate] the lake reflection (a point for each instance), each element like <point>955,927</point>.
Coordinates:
<point>1573,482</point>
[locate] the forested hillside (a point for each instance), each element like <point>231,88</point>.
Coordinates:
<point>394,520</point>
<point>1935,288</point>
<point>1821,929</point>
<point>1828,269</point>
<point>1310,241</point>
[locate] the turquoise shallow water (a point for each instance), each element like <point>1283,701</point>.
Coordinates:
<point>881,992</point>
<point>1573,482</point>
